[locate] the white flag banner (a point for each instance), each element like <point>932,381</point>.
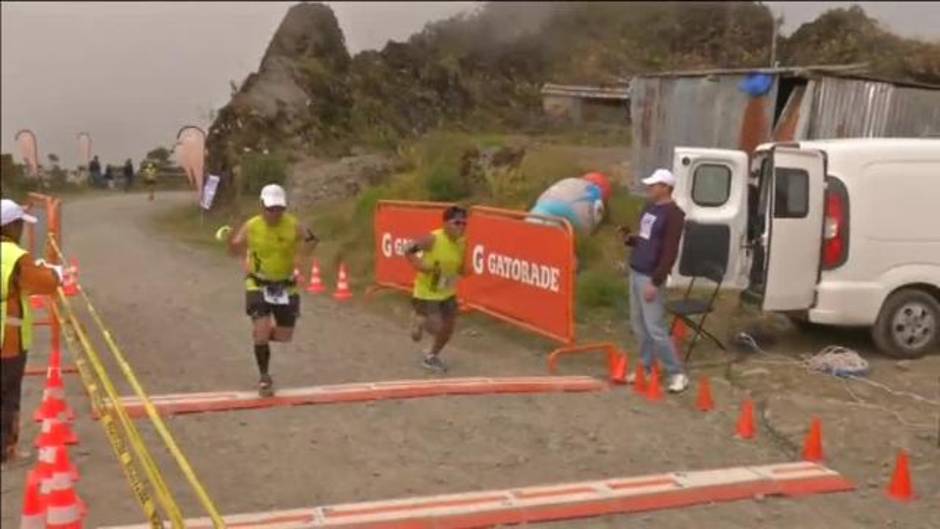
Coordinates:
<point>208,192</point>
<point>190,154</point>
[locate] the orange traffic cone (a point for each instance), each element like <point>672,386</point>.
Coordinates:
<point>901,488</point>
<point>34,508</point>
<point>812,445</point>
<point>63,510</point>
<point>678,334</point>
<point>746,428</point>
<point>705,401</point>
<point>55,433</point>
<point>654,392</point>
<point>618,375</point>
<point>55,360</point>
<point>37,302</point>
<point>342,285</point>
<point>639,382</point>
<point>316,284</point>
<point>54,407</point>
<point>62,466</point>
<point>70,281</point>
<point>53,397</point>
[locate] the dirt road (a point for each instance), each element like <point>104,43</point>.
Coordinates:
<point>177,311</point>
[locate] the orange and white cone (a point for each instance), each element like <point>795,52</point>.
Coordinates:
<point>53,398</point>
<point>63,510</point>
<point>70,281</point>
<point>34,508</point>
<point>316,284</point>
<point>62,466</point>
<point>55,433</point>
<point>619,368</point>
<point>342,285</point>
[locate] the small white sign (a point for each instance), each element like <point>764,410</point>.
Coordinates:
<point>208,192</point>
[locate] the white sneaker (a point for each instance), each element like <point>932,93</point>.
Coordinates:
<point>678,383</point>
<point>631,376</point>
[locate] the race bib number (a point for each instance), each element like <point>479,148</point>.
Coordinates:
<point>446,282</point>
<point>646,225</point>
<point>276,295</point>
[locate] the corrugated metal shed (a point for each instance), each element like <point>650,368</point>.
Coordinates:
<point>850,108</point>
<point>704,111</point>
<point>707,109</point>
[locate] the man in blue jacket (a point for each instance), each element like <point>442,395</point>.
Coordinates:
<point>655,247</point>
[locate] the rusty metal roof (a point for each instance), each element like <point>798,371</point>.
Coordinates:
<point>779,70</point>
<point>711,111</point>
<point>621,92</point>
<point>849,71</point>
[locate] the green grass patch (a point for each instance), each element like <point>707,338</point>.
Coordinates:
<point>433,172</point>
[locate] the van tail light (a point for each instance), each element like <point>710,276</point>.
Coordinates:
<point>835,230</point>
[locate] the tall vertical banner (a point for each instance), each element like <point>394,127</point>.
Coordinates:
<point>190,154</point>
<point>208,194</point>
<point>84,149</point>
<point>522,270</point>
<point>396,225</point>
<point>29,150</point>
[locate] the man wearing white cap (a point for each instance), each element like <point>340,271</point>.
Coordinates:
<point>655,248</point>
<point>271,244</point>
<point>20,278</point>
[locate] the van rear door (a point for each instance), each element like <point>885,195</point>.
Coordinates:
<point>711,188</point>
<point>793,239</point>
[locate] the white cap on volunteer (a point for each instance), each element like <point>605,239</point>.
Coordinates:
<point>11,211</point>
<point>273,195</point>
<point>661,176</point>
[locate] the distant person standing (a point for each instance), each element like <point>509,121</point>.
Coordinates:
<point>150,177</point>
<point>109,177</point>
<point>655,248</point>
<point>128,175</point>
<point>94,171</point>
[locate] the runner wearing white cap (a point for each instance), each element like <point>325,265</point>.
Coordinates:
<point>271,245</point>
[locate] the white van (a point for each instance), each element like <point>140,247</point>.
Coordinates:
<point>837,232</point>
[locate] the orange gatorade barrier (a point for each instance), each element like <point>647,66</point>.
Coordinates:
<point>359,392</point>
<point>554,502</point>
<point>521,271</point>
<point>521,267</point>
<point>396,225</point>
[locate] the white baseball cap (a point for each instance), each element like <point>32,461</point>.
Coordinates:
<point>661,176</point>
<point>11,212</point>
<point>273,195</point>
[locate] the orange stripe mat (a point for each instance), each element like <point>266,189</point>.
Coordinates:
<point>182,403</point>
<point>550,503</point>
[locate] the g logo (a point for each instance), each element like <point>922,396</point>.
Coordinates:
<point>476,258</point>
<point>387,245</point>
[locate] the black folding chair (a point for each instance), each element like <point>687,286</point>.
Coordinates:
<point>704,256</point>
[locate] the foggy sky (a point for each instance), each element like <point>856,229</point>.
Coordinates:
<point>132,74</point>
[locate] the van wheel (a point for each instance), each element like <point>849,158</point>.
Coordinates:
<point>908,325</point>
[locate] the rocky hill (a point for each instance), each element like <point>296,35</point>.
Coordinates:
<point>484,70</point>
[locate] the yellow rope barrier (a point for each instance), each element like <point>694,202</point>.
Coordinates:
<point>151,410</point>
<point>105,410</point>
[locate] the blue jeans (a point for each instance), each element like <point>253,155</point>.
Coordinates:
<point>648,320</point>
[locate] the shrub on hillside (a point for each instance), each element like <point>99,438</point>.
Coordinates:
<point>260,169</point>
